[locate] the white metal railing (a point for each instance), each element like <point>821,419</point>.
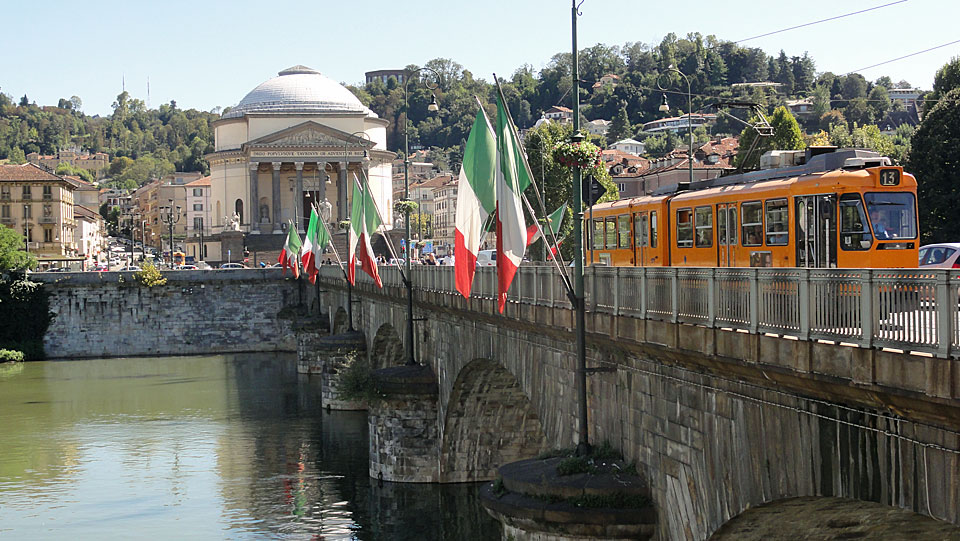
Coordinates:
<point>906,309</point>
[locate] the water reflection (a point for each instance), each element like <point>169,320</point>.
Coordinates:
<point>201,447</point>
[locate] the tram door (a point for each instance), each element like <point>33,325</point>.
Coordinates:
<point>816,219</point>
<point>727,235</point>
<point>641,234</point>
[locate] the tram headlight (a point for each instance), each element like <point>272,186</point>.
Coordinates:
<point>889,177</point>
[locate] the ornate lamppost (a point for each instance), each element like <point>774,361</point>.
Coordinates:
<point>408,76</point>
<point>170,217</point>
<point>665,107</point>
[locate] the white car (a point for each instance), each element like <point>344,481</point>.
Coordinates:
<point>944,255</point>
<point>232,266</point>
<point>487,258</point>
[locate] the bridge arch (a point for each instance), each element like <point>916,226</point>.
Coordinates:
<point>387,348</point>
<point>489,422</point>
<point>340,323</point>
<point>832,518</point>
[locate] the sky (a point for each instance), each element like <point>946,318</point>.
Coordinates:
<point>209,53</point>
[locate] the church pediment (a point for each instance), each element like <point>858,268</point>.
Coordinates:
<point>309,134</point>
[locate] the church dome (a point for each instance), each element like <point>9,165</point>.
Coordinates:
<point>299,90</point>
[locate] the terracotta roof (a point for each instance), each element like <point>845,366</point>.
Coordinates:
<point>86,212</point>
<point>205,181</point>
<point>27,171</point>
<point>433,182</point>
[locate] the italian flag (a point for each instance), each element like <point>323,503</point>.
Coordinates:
<point>314,244</point>
<point>288,257</point>
<point>554,221</point>
<point>364,221</point>
<point>512,178</point>
<point>476,200</point>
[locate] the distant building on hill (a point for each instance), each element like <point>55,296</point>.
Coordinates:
<point>384,76</point>
<point>95,163</point>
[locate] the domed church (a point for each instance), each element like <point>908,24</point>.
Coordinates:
<point>296,139</point>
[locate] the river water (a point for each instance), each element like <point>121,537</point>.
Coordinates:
<point>224,447</point>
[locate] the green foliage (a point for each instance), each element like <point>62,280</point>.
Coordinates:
<point>13,257</point>
<point>358,382</point>
<point>617,500</point>
<point>498,489</point>
<point>574,465</point>
<point>577,154</point>
<point>405,206</point>
<point>620,127</point>
<point>933,160</point>
<point>11,356</point>
<point>25,313</point>
<point>66,169</point>
<point>149,276</point>
<point>16,156</point>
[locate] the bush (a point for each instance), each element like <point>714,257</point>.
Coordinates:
<point>25,313</point>
<point>11,356</point>
<point>149,276</point>
<point>358,382</point>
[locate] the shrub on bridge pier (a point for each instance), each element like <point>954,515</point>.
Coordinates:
<point>25,313</point>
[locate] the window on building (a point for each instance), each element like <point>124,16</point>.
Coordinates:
<point>27,212</point>
<point>777,234</point>
<point>198,192</point>
<point>704,226</point>
<point>48,192</point>
<point>47,234</point>
<point>197,206</point>
<point>29,231</point>
<point>4,211</point>
<point>5,192</point>
<point>752,216</point>
<point>26,192</point>
<point>684,228</point>
<point>198,223</point>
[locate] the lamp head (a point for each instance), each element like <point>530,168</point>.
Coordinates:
<point>433,107</point>
<point>664,106</point>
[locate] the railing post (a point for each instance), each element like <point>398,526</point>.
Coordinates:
<point>616,291</point>
<point>754,301</point>
<point>712,298</point>
<point>643,293</point>
<point>946,307</point>
<point>866,308</point>
<point>551,283</point>
<point>674,295</point>
<point>803,302</point>
<point>593,288</point>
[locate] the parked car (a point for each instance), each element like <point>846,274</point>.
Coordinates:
<point>232,266</point>
<point>132,268</point>
<point>101,268</point>
<point>186,267</point>
<point>944,255</point>
<point>487,258</point>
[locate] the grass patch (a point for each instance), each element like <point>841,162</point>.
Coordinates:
<point>554,453</point>
<point>358,382</point>
<point>575,465</point>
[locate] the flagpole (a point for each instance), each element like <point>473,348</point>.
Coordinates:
<point>583,445</point>
<point>390,247</point>
<point>523,155</point>
<point>557,264</point>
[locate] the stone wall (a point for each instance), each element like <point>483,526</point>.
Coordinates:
<point>197,312</point>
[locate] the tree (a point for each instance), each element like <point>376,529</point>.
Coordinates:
<point>879,102</point>
<point>786,136</point>
<point>17,156</point>
<point>13,257</point>
<point>620,126</point>
<point>859,112</point>
<point>935,160</point>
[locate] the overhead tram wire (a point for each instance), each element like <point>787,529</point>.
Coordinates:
<point>904,56</point>
<point>828,19</point>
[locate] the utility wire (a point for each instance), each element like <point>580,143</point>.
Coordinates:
<point>820,21</point>
<point>904,56</point>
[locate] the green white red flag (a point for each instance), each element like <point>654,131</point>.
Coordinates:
<point>476,200</point>
<point>314,243</point>
<point>288,256</point>
<point>364,222</point>
<point>554,221</point>
<point>512,178</point>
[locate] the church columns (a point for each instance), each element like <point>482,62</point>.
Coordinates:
<point>254,206</point>
<point>298,198</point>
<point>276,197</point>
<point>342,188</point>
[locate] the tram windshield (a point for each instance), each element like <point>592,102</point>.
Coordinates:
<point>893,215</point>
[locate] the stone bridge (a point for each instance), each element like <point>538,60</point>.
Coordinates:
<point>728,391</point>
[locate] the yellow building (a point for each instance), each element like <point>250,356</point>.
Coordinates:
<point>39,205</point>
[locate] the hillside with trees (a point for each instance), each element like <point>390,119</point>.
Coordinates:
<point>147,143</point>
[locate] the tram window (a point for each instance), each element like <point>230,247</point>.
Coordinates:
<point>893,214</point>
<point>640,230</point>
<point>854,233</point>
<point>598,234</point>
<point>752,214</point>
<point>611,232</point>
<point>684,228</point>
<point>653,229</point>
<point>777,222</point>
<point>722,227</point>
<point>704,226</point>
<point>623,227</point>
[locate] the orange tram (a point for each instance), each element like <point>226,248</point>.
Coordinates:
<point>847,208</point>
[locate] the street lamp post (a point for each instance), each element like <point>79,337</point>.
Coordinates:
<point>664,107</point>
<point>408,76</point>
<point>26,235</point>
<point>167,216</point>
